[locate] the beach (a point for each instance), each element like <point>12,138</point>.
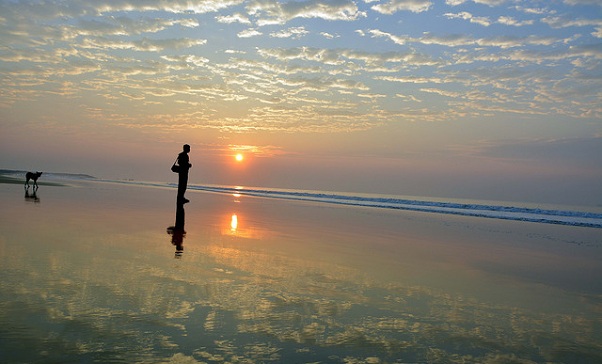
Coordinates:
<point>93,271</point>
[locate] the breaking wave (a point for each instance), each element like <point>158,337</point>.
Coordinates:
<point>517,213</point>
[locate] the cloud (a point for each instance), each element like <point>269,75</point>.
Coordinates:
<point>186,60</point>
<point>511,41</point>
<point>371,96</point>
<point>294,33</point>
<point>507,20</point>
<point>455,40</point>
<point>261,118</point>
<point>326,56</point>
<point>329,36</point>
<point>593,51</point>
<point>324,84</point>
<point>174,6</point>
<point>566,21</point>
<point>531,10</point>
<point>256,150</point>
<point>142,45</point>
<point>451,94</point>
<point>127,26</point>
<point>406,98</point>
<point>79,8</point>
<point>235,18</point>
<point>455,2</point>
<point>394,6</point>
<point>583,2</point>
<point>337,57</point>
<point>248,33</point>
<point>271,12</point>
<point>484,21</point>
<point>412,79</point>
<point>468,16</point>
<point>485,2</point>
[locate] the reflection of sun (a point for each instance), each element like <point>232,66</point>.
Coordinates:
<point>239,157</point>
<point>234,226</point>
<point>234,223</point>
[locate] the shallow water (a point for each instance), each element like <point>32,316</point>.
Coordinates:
<point>89,273</point>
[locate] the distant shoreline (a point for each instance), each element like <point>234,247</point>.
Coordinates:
<point>11,180</point>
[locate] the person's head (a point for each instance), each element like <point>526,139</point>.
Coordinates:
<point>186,148</point>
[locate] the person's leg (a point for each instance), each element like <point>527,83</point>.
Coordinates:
<point>182,184</point>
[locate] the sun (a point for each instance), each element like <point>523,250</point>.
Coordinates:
<point>239,157</point>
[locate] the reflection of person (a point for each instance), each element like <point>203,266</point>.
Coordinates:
<point>184,163</point>
<point>177,232</point>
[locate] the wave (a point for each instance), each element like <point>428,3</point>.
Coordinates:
<point>517,213</point>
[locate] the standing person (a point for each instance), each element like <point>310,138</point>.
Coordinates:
<point>184,163</point>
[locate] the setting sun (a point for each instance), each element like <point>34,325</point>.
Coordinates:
<point>239,157</point>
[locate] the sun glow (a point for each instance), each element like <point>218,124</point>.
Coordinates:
<point>239,157</point>
<point>234,223</point>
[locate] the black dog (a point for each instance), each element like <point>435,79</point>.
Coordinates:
<point>32,176</point>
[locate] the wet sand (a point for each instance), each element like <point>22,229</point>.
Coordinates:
<point>89,273</point>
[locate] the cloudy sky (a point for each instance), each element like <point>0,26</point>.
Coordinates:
<point>497,99</point>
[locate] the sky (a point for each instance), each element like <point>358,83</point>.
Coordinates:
<point>489,99</point>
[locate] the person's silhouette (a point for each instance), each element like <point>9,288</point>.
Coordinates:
<point>177,232</point>
<point>184,163</point>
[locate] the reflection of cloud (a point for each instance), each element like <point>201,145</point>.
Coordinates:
<point>273,306</point>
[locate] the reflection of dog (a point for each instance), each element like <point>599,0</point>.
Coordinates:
<point>32,176</point>
<point>32,197</point>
